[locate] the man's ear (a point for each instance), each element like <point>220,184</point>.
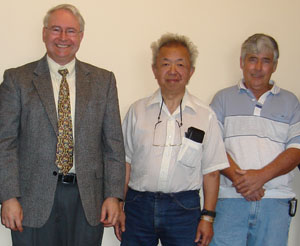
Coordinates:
<point>44,34</point>
<point>241,63</point>
<point>154,70</point>
<point>275,66</point>
<point>192,71</point>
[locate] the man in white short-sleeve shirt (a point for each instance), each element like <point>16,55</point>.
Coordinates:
<point>173,146</point>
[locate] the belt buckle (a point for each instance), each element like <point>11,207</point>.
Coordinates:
<point>68,179</point>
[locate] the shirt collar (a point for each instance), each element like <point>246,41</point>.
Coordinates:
<point>274,90</point>
<point>187,100</point>
<point>54,67</point>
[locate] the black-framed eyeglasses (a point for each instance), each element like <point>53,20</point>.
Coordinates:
<point>177,140</point>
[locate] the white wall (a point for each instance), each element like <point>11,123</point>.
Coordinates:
<point>118,35</point>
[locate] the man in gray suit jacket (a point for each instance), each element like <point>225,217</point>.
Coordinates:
<point>43,202</point>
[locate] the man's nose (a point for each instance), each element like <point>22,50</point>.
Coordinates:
<point>258,65</point>
<point>173,69</point>
<point>63,35</point>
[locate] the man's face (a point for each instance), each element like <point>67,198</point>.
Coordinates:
<point>173,69</point>
<point>257,70</point>
<point>61,45</point>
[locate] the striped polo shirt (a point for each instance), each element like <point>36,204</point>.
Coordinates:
<point>255,132</point>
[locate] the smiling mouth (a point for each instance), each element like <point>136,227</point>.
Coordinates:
<point>257,76</point>
<point>62,45</point>
<point>173,80</point>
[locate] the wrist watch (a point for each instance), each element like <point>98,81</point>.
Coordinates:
<point>208,213</point>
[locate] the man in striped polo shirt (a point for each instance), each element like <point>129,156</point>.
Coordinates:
<point>261,130</point>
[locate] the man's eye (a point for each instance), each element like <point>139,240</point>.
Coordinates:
<point>70,31</point>
<point>55,29</point>
<point>267,61</point>
<point>252,59</point>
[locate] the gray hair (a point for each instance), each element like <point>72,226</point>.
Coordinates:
<point>69,8</point>
<point>258,43</point>
<point>171,39</point>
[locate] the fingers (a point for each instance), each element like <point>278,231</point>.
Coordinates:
<point>19,226</point>
<point>103,214</point>
<point>112,218</point>
<point>204,233</point>
<point>203,241</point>
<point>262,192</point>
<point>198,237</point>
<point>255,196</point>
<point>118,231</point>
<point>122,224</point>
<point>110,212</point>
<point>240,171</point>
<point>13,223</point>
<point>12,214</point>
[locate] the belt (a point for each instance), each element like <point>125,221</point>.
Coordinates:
<point>70,178</point>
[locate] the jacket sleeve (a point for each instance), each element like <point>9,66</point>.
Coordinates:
<point>10,110</point>
<point>113,145</point>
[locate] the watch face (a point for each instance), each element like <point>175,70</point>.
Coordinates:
<point>208,213</point>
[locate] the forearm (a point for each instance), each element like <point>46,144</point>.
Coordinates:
<point>252,180</point>
<point>210,191</point>
<point>230,172</point>
<point>127,177</point>
<point>233,174</point>
<point>211,183</point>
<point>282,164</point>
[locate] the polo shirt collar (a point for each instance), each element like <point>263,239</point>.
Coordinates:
<point>274,90</point>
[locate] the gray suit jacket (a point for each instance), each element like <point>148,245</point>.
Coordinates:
<point>28,137</point>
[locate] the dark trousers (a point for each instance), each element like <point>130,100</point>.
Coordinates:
<point>66,226</point>
<point>171,218</point>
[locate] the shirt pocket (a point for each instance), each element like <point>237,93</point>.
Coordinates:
<point>190,153</point>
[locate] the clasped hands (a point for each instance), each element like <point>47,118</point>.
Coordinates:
<point>249,183</point>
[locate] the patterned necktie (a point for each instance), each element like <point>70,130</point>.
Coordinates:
<point>64,150</point>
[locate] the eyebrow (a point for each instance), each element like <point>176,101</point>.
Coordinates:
<point>166,59</point>
<point>62,27</point>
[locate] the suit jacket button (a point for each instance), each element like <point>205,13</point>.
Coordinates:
<point>54,173</point>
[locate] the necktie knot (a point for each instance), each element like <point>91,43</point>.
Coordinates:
<point>63,72</point>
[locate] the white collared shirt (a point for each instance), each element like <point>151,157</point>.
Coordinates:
<point>168,168</point>
<point>56,80</point>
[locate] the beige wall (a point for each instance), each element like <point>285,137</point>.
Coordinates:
<point>119,32</point>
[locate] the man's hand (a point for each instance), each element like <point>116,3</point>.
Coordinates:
<point>256,195</point>
<point>204,233</point>
<point>249,181</point>
<point>110,211</point>
<point>120,225</point>
<point>12,214</point>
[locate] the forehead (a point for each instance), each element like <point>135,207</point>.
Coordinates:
<point>263,54</point>
<point>173,51</point>
<point>63,17</point>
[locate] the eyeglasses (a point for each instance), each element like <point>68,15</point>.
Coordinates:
<point>57,31</point>
<point>159,135</point>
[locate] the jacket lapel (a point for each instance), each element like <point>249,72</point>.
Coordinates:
<point>82,92</point>
<point>43,85</point>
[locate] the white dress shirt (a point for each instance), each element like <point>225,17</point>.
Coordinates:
<point>168,166</point>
